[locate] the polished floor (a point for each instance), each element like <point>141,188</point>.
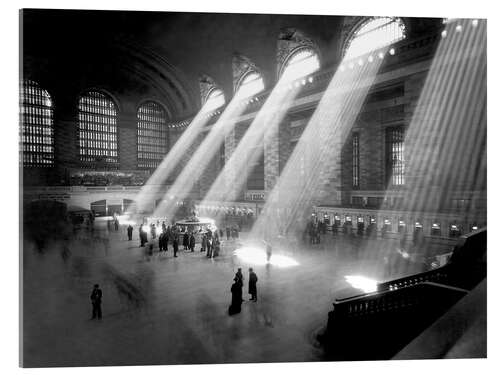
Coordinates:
<point>164,310</point>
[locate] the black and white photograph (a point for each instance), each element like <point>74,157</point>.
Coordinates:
<point>218,188</point>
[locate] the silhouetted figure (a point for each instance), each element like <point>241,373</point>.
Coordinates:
<point>236,293</point>
<point>96,298</point>
<point>175,245</point>
<point>239,276</point>
<point>203,242</point>
<point>117,224</point>
<point>192,242</point>
<point>228,233</point>
<point>153,231</point>
<point>143,236</point>
<point>129,232</point>
<point>252,284</point>
<point>185,240</point>
<point>269,251</point>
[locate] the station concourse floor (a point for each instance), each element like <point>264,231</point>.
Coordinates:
<point>166,310</point>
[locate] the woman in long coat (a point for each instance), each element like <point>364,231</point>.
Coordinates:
<point>236,297</point>
<point>185,240</point>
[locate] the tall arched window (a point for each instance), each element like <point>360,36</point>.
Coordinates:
<point>374,33</point>
<point>97,129</point>
<point>301,63</point>
<point>37,125</point>
<point>215,99</point>
<point>151,135</point>
<point>251,84</point>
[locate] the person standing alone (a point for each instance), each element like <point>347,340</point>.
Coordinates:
<point>252,284</point>
<point>96,298</point>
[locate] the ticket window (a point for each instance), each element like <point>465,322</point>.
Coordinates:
<point>401,226</point>
<point>436,228</point>
<point>387,225</point>
<point>336,220</point>
<point>348,220</point>
<point>455,230</point>
<point>419,228</point>
<point>326,219</point>
<point>361,222</point>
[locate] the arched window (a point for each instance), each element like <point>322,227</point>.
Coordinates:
<point>374,33</point>
<point>151,135</point>
<point>37,125</point>
<point>301,63</point>
<point>215,99</point>
<point>97,128</point>
<point>251,84</point>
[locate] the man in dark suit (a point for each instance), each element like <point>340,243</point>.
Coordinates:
<point>252,284</point>
<point>96,298</point>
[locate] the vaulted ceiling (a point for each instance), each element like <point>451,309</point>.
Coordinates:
<point>164,54</point>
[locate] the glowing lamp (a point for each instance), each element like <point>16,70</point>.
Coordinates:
<point>474,227</point>
<point>370,58</point>
<point>458,28</point>
<point>444,33</point>
<point>392,51</point>
<point>418,225</point>
<point>380,55</point>
<point>402,223</point>
<point>435,225</point>
<point>475,23</point>
<point>303,82</point>
<point>310,79</point>
<point>387,222</point>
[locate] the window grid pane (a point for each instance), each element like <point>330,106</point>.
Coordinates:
<point>355,160</point>
<point>97,129</point>
<point>151,135</point>
<point>37,126</point>
<point>396,162</point>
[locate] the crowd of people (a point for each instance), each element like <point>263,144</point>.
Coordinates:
<point>209,240</point>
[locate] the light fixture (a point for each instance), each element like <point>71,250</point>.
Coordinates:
<point>381,55</point>
<point>475,23</point>
<point>310,79</point>
<point>444,33</point>
<point>370,58</point>
<point>392,52</point>
<point>458,28</point>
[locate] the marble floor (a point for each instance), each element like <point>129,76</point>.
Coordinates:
<point>164,310</point>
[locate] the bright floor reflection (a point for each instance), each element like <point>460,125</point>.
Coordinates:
<point>257,256</point>
<point>363,283</point>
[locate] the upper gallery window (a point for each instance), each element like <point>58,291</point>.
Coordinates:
<point>37,126</point>
<point>251,84</point>
<point>215,99</point>
<point>151,135</point>
<point>376,32</point>
<point>303,62</point>
<point>97,128</point>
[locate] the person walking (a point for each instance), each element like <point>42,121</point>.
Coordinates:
<point>96,298</point>
<point>175,244</point>
<point>129,232</point>
<point>192,242</point>
<point>252,284</point>
<point>203,242</point>
<point>185,240</point>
